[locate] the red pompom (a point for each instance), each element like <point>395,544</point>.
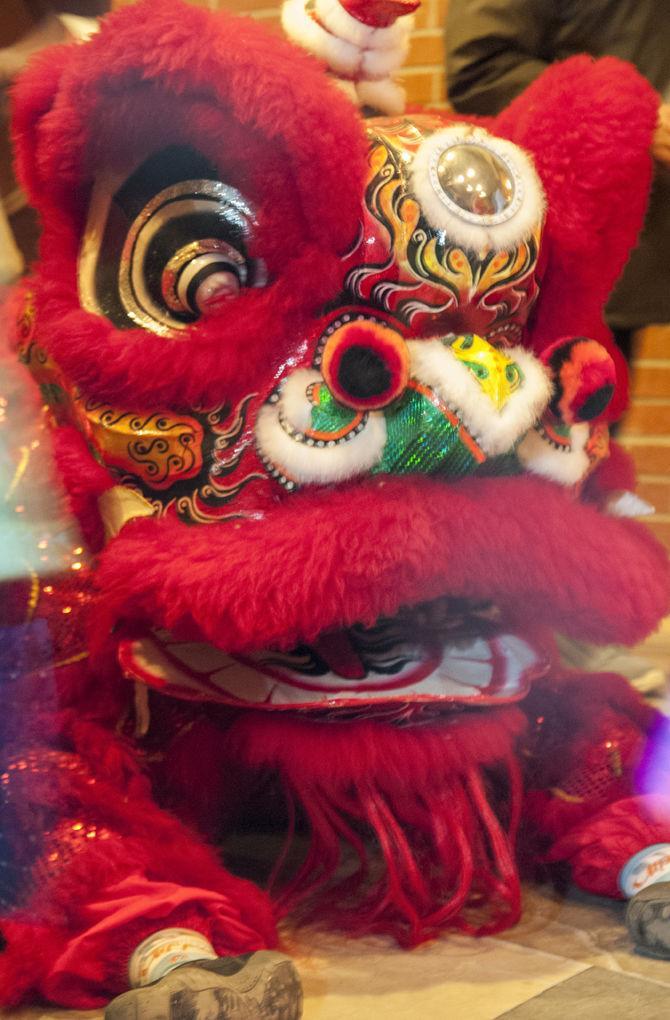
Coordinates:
<point>423,794</point>
<point>584,378</point>
<point>365,365</point>
<point>379,13</point>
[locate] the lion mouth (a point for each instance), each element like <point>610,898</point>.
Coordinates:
<point>446,652</point>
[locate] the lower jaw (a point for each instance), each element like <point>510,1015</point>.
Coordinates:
<point>402,668</point>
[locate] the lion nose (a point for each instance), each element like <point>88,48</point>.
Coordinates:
<point>365,365</point>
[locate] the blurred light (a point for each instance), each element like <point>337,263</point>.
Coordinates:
<point>653,772</point>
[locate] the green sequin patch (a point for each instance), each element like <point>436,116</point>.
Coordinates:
<point>328,416</point>
<point>421,439</point>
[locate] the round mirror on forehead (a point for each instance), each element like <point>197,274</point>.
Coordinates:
<point>476,180</point>
<point>483,192</point>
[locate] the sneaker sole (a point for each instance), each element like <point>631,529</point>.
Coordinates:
<point>267,987</point>
<point>648,920</point>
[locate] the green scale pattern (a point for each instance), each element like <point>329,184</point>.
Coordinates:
<point>420,439</point>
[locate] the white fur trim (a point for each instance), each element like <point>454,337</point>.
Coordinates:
<point>80,28</point>
<point>348,87</point>
<point>386,95</point>
<point>294,403</point>
<point>301,463</point>
<point>628,504</point>
<point>340,55</point>
<point>496,431</point>
<point>541,457</point>
<point>382,63</point>
<point>476,233</point>
<point>333,16</point>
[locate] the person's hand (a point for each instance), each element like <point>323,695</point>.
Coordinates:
<point>660,144</point>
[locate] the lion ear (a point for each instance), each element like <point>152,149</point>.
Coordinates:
<point>74,103</point>
<point>33,98</point>
<point>588,126</point>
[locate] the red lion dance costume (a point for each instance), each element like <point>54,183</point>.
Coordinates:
<point>329,400</point>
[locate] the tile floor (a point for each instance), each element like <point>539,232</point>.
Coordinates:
<point>568,959</point>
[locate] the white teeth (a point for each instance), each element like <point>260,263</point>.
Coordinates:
<point>464,671</point>
<point>243,684</point>
<point>628,504</point>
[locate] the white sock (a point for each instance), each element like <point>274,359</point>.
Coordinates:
<point>163,951</point>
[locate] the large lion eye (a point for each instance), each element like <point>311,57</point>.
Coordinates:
<point>166,246</point>
<point>482,191</point>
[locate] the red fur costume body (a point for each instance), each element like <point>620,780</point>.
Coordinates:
<point>115,795</point>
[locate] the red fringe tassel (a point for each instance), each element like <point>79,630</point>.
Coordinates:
<point>441,801</point>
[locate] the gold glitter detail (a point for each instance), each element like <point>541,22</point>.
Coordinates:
<point>72,658</point>
<point>158,447</point>
<point>63,843</point>
<point>33,597</point>
<point>19,473</point>
<point>569,798</point>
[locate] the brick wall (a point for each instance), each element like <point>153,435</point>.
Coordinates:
<point>646,428</point>
<point>646,432</point>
